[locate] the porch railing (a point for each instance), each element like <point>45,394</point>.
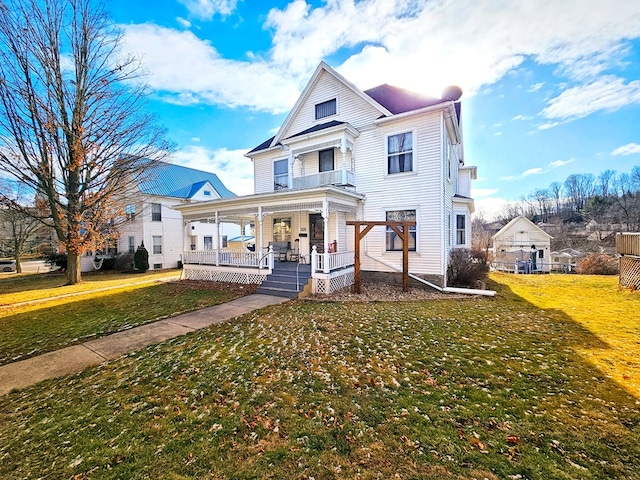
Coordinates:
<point>227,257</point>
<point>327,262</point>
<point>333,177</point>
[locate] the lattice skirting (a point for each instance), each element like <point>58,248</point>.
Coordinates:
<point>630,271</point>
<point>216,276</point>
<point>336,282</point>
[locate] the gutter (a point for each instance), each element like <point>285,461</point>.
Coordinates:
<point>465,291</point>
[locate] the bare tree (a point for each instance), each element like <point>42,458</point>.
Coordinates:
<point>72,124</point>
<point>17,223</point>
<point>555,190</point>
<point>605,183</point>
<point>578,188</point>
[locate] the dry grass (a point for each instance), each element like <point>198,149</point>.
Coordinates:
<point>596,303</point>
<point>432,389</point>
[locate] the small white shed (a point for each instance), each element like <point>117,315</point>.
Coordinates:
<point>522,247</point>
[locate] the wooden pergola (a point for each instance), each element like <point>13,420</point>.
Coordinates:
<point>401,229</point>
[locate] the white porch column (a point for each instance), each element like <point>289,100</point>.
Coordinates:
<point>292,159</point>
<point>327,241</point>
<point>217,240</point>
<point>260,240</point>
<point>343,150</point>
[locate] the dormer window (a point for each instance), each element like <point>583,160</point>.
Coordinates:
<point>326,109</point>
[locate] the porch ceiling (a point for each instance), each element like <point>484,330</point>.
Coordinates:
<point>250,206</point>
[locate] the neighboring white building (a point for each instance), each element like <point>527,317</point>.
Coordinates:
<point>151,217</point>
<point>522,246</point>
<point>343,154</point>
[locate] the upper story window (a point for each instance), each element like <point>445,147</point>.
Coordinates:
<point>461,229</point>
<point>156,212</point>
<point>280,175</point>
<point>130,211</point>
<point>207,193</point>
<point>400,153</point>
<point>326,160</point>
<point>326,109</point>
<point>393,241</point>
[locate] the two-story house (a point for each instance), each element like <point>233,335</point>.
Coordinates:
<point>343,154</point>
<point>150,217</point>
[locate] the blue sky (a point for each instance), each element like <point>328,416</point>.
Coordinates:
<point>551,88</point>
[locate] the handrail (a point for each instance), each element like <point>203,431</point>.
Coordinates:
<point>298,272</point>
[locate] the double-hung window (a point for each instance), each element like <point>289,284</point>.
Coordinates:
<point>393,241</point>
<point>208,243</point>
<point>156,212</point>
<point>130,211</point>
<point>461,230</point>
<point>132,244</point>
<point>280,175</point>
<point>326,109</point>
<point>157,244</point>
<point>400,153</point>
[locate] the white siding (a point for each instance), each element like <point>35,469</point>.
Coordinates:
<point>420,190</point>
<point>350,107</point>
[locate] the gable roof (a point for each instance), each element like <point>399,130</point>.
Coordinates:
<point>387,99</point>
<point>398,100</point>
<point>323,67</point>
<point>529,223</point>
<point>171,180</point>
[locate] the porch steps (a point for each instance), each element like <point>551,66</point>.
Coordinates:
<point>282,282</point>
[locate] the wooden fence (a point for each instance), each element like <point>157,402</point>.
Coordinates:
<point>628,247</point>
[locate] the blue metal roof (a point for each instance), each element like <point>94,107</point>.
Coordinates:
<point>170,180</point>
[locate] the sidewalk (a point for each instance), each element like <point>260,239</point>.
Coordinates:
<point>78,357</point>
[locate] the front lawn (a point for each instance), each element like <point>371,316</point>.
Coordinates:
<point>494,388</point>
<point>116,302</point>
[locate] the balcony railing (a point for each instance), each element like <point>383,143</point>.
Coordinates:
<point>333,177</point>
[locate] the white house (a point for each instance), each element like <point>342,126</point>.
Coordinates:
<point>150,216</point>
<point>522,246</point>
<point>343,154</point>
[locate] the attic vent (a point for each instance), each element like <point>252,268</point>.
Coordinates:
<point>207,193</point>
<point>326,109</point>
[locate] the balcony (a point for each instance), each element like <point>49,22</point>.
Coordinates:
<point>339,178</point>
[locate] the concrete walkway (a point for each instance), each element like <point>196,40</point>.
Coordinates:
<point>76,358</point>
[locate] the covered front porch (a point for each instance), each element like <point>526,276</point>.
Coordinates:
<point>306,227</point>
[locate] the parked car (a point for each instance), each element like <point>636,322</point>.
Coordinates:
<point>7,265</point>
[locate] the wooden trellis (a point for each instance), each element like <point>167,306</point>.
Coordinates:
<point>628,247</point>
<point>401,229</point>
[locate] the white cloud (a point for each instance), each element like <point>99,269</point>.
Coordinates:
<point>183,22</point>
<point>184,69</point>
<point>561,163</point>
<point>415,44</point>
<point>607,93</point>
<point>532,171</point>
<point>206,9</point>
<point>628,149</point>
<point>231,166</point>
<point>535,87</point>
<point>522,117</point>
<point>490,207</point>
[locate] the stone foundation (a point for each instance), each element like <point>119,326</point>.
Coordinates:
<point>395,278</point>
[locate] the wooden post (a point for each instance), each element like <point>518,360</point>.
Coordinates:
<point>404,236</point>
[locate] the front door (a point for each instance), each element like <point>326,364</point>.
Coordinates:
<point>316,234</point>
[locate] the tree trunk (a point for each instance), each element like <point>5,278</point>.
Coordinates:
<point>18,262</point>
<point>73,268</point>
